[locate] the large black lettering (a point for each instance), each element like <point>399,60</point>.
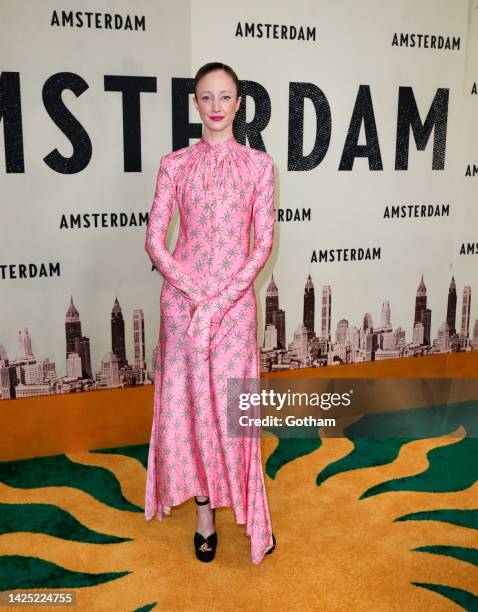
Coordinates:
<point>409,116</point>
<point>131,88</point>
<point>363,112</point>
<point>11,115</point>
<point>67,123</point>
<point>298,92</point>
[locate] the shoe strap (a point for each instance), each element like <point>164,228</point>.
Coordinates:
<point>207,538</point>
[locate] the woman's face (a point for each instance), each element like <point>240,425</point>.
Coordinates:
<point>216,97</point>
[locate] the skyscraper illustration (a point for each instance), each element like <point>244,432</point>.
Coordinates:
<point>326,312</point>
<point>451,307</point>
<point>139,348</point>
<point>278,320</point>
<point>72,327</point>
<point>274,333</point>
<point>385,316</point>
<point>24,345</point>
<point>118,344</point>
<point>309,307</point>
<point>420,301</point>
<point>272,301</point>
<point>82,349</point>
<point>367,322</point>
<point>465,312</point>
<point>423,316</point>
<point>427,325</point>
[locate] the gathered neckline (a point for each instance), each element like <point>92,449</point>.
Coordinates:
<point>217,146</point>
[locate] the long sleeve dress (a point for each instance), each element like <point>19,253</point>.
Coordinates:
<point>208,329</point>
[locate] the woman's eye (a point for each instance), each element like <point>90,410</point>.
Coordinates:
<point>227,97</point>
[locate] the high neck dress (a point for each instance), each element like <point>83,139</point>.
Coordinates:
<point>208,329</point>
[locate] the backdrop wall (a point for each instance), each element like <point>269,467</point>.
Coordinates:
<point>370,113</point>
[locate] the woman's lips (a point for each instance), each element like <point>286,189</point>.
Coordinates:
<point>216,117</point>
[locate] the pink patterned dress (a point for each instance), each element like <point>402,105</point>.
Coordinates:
<point>208,329</point>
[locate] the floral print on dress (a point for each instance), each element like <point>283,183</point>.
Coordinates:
<point>208,329</point>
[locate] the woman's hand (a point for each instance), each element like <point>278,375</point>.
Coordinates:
<point>213,308</point>
<point>206,319</point>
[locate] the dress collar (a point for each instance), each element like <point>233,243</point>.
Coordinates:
<point>217,147</point>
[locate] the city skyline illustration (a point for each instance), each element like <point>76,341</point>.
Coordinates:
<point>25,375</point>
<point>368,342</point>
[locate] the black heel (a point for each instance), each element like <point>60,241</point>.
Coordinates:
<point>205,547</point>
<point>273,547</point>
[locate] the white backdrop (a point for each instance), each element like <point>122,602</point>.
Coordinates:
<point>352,48</point>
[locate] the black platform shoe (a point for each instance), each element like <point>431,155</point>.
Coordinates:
<point>273,547</point>
<point>205,547</point>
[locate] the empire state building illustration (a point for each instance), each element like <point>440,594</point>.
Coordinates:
<point>353,344</point>
<point>117,334</point>
<point>77,346</point>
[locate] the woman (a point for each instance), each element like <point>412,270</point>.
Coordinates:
<point>208,328</point>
